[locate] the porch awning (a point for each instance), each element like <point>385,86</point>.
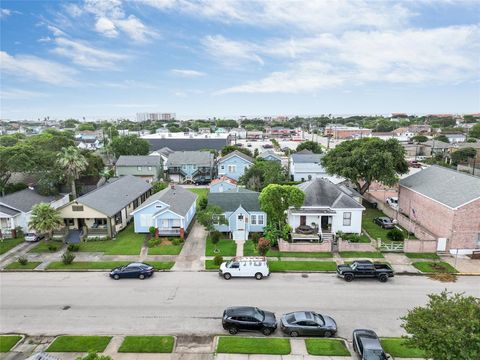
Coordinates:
<point>312,211</point>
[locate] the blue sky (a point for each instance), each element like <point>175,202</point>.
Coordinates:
<point>113,58</point>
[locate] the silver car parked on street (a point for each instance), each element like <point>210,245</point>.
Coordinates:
<point>308,323</point>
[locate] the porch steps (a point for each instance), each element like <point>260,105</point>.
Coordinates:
<point>327,236</point>
<point>239,235</point>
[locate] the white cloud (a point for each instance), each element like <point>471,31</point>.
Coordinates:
<point>55,30</point>
<point>73,10</point>
<point>106,27</point>
<point>231,52</point>
<point>188,73</point>
<point>5,13</point>
<point>14,94</point>
<point>33,67</point>
<point>135,29</point>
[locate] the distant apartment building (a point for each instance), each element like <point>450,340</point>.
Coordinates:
<point>346,132</point>
<point>155,116</point>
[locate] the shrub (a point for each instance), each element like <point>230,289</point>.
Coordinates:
<point>22,260</point>
<point>218,259</point>
<point>67,257</point>
<point>94,356</point>
<point>153,242</point>
<point>73,247</point>
<point>396,235</point>
<point>152,230</point>
<point>215,237</point>
<point>202,203</point>
<point>255,237</point>
<point>341,235</point>
<point>354,238</point>
<point>52,247</point>
<point>176,241</point>
<point>263,246</point>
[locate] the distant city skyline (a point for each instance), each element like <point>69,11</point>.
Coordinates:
<point>108,59</point>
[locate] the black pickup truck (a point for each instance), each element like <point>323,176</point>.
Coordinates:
<point>365,269</point>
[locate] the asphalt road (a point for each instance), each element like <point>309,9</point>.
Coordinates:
<point>193,302</point>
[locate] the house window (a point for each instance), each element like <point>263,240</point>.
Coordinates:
<point>149,168</point>
<point>347,218</point>
<point>135,203</point>
<point>77,207</point>
<point>260,219</point>
<point>232,168</point>
<point>253,219</point>
<point>217,219</point>
<point>139,168</point>
<point>69,222</point>
<point>118,218</point>
<point>222,167</point>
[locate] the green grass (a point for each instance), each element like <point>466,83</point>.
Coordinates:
<point>280,266</point>
<point>396,347</point>
<point>249,250</point>
<point>165,250</point>
<point>201,192</point>
<point>326,347</point>
<point>8,341</point>
<point>79,344</point>
<point>147,344</point>
<point>17,266</point>
<point>432,256</point>
<point>373,229</point>
<point>42,246</point>
<point>210,265</point>
<point>361,254</point>
<point>7,244</point>
<point>126,243</point>
<point>226,247</point>
<point>244,345</point>
<point>434,267</point>
<point>104,265</point>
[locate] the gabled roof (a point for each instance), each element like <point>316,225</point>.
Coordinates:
<point>266,154</point>
<point>165,151</point>
<point>449,187</point>
<point>322,193</point>
<point>25,199</point>
<point>8,210</point>
<point>236,153</point>
<point>114,196</point>
<point>306,156</point>
<point>199,158</point>
<point>179,199</point>
<point>230,200</point>
<point>223,179</point>
<point>137,160</point>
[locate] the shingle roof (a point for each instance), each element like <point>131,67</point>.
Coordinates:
<point>112,197</point>
<point>179,199</point>
<point>8,210</point>
<point>447,186</point>
<point>188,144</point>
<point>321,192</point>
<point>24,200</point>
<point>266,154</point>
<point>165,151</point>
<point>230,200</point>
<point>236,153</point>
<point>222,179</point>
<point>438,144</point>
<point>137,160</point>
<point>306,156</point>
<point>199,158</point>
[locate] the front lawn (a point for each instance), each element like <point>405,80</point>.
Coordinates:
<point>7,244</point>
<point>249,250</point>
<point>361,254</point>
<point>7,342</point>
<point>169,249</point>
<point>373,229</point>
<point>227,248</point>
<point>210,265</point>
<point>434,267</point>
<point>201,192</point>
<point>432,256</point>
<point>396,347</point>
<point>103,265</point>
<point>326,347</point>
<point>79,344</point>
<point>49,246</point>
<point>281,266</point>
<point>126,243</point>
<point>17,266</point>
<point>147,344</point>
<point>245,345</point>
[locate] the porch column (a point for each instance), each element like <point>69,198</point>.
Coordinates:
<point>109,228</point>
<point>12,223</point>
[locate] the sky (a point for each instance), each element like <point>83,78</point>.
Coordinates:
<point>104,59</point>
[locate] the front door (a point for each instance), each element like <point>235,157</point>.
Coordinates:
<point>303,220</point>
<point>240,222</point>
<point>324,222</point>
<point>441,244</point>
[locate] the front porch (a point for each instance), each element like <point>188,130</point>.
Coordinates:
<point>88,228</point>
<point>311,225</point>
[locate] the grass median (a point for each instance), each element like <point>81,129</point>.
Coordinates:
<point>246,345</point>
<point>431,256</point>
<point>326,347</point>
<point>282,266</point>
<point>104,265</point>
<point>210,265</point>
<point>361,254</point>
<point>434,267</point>
<point>397,348</point>
<point>28,266</point>
<point>147,344</point>
<point>7,342</point>
<point>250,250</point>
<point>79,344</point>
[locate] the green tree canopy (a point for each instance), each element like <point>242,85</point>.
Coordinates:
<point>419,138</point>
<point>210,216</point>
<point>231,148</point>
<point>475,131</point>
<point>45,219</point>
<point>366,160</point>
<point>447,328</point>
<point>73,163</point>
<point>276,199</point>
<point>129,145</point>
<point>263,173</point>
<point>310,145</point>
<point>462,155</point>
<point>443,138</point>
<point>87,126</point>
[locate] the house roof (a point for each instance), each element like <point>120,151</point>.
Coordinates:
<point>230,200</point>
<point>236,153</point>
<point>438,144</point>
<point>306,156</point>
<point>323,193</point>
<point>165,151</point>
<point>449,187</point>
<point>223,179</point>
<point>25,199</point>
<point>199,158</point>
<point>266,154</point>
<point>187,144</point>
<point>114,196</point>
<point>8,210</point>
<point>137,160</point>
<point>179,199</point>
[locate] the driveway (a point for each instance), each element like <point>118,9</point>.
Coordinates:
<point>193,252</point>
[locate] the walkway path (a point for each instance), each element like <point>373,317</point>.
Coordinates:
<point>17,251</point>
<point>193,252</point>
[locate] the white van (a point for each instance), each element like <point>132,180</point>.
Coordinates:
<point>247,266</point>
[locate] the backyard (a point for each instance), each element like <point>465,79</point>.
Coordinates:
<point>201,192</point>
<point>374,230</point>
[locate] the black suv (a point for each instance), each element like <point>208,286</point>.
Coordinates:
<point>248,318</point>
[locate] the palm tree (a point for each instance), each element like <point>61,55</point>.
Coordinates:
<point>73,163</point>
<point>44,219</point>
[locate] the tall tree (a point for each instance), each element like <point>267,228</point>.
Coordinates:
<point>462,155</point>
<point>210,216</point>
<point>129,145</point>
<point>263,173</point>
<point>442,137</point>
<point>447,328</point>
<point>310,145</point>
<point>475,131</point>
<point>419,138</point>
<point>73,163</point>
<point>276,199</point>
<point>44,219</point>
<point>364,161</point>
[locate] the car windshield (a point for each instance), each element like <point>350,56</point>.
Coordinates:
<point>374,355</point>
<point>353,266</point>
<point>30,234</point>
<point>259,314</point>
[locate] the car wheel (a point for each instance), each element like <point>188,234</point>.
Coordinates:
<point>232,330</point>
<point>293,334</point>
<point>227,276</point>
<point>327,334</point>
<point>348,277</point>
<point>258,276</point>
<point>383,278</point>
<point>266,331</point>
<point>141,277</point>
<point>116,276</point>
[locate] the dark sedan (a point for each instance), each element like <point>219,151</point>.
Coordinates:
<point>133,270</point>
<point>248,318</point>
<point>367,345</point>
<point>384,222</point>
<point>308,323</point>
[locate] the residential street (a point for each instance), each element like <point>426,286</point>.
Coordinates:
<point>193,302</point>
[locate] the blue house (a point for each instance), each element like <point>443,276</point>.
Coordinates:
<point>170,211</point>
<point>222,184</point>
<point>241,211</point>
<point>270,156</point>
<point>191,166</point>
<point>234,164</point>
